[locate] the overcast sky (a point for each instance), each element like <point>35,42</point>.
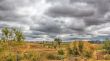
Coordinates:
<point>47,19</point>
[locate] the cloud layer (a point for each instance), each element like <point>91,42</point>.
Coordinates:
<point>47,19</point>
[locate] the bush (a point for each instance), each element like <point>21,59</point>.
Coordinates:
<point>54,57</point>
<point>76,48</point>
<point>61,52</point>
<point>107,57</point>
<point>10,57</point>
<point>106,45</point>
<point>1,49</point>
<point>33,56</point>
<point>87,54</point>
<point>80,49</point>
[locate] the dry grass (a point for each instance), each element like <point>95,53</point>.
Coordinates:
<point>36,47</point>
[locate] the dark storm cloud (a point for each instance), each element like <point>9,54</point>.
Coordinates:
<point>82,14</point>
<point>49,27</point>
<point>78,29</point>
<point>54,26</point>
<point>69,11</point>
<point>94,21</point>
<point>8,9</point>
<point>93,16</point>
<point>38,33</point>
<point>102,5</point>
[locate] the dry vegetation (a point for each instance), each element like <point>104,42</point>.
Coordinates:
<point>25,51</point>
<point>14,49</point>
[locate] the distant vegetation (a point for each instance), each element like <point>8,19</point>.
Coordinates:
<point>14,48</point>
<point>106,45</point>
<point>12,34</point>
<point>57,42</point>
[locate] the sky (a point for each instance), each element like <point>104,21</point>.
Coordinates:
<point>48,19</point>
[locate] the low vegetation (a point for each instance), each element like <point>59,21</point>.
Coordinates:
<point>14,48</point>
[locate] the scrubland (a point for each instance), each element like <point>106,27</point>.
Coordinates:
<point>14,48</point>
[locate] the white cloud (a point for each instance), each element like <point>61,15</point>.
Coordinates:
<point>68,17</point>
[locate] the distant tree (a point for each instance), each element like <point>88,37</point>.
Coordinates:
<point>12,34</point>
<point>57,42</point>
<point>6,34</point>
<point>106,45</point>
<point>18,35</point>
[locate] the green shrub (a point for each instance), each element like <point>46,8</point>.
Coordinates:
<point>54,57</point>
<point>106,45</point>
<point>76,48</point>
<point>1,49</point>
<point>11,57</point>
<point>34,56</point>
<point>69,52</point>
<point>61,52</point>
<point>87,54</point>
<point>79,49</point>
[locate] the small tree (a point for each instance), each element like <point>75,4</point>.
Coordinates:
<point>9,34</point>
<point>6,34</point>
<point>57,42</point>
<point>106,45</point>
<point>18,35</point>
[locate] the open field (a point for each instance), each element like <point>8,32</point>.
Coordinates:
<point>26,51</point>
<point>54,30</point>
<point>14,48</point>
